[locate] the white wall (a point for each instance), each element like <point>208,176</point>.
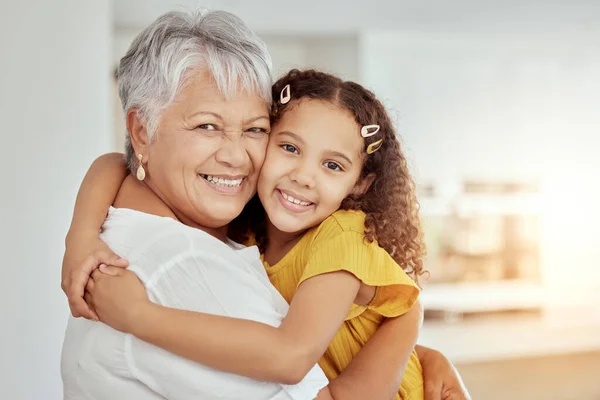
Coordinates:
<point>55,118</point>
<point>335,54</point>
<point>501,103</point>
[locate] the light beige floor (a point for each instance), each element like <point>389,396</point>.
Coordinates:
<point>567,377</point>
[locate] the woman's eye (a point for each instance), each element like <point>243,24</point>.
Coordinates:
<point>333,166</point>
<point>208,127</point>
<point>257,130</point>
<point>290,148</point>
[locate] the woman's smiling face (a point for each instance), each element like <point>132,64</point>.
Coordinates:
<point>208,150</point>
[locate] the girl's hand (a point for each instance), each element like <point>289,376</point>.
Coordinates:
<point>117,295</point>
<point>82,257</point>
<point>442,380</point>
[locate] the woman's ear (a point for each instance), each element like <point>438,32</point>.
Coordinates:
<point>363,185</point>
<point>138,133</point>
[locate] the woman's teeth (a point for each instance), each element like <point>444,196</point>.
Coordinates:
<point>295,201</point>
<point>223,182</point>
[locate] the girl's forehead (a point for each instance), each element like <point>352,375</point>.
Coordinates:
<point>313,112</point>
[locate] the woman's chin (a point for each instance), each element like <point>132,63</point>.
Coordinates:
<point>217,214</point>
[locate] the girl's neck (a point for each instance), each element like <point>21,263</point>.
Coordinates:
<point>279,243</point>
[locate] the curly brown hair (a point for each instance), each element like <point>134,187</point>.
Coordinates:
<point>390,203</point>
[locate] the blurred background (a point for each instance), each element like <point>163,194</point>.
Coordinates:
<point>496,103</point>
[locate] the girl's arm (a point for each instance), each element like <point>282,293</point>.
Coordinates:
<point>376,371</point>
<point>84,250</point>
<point>282,354</point>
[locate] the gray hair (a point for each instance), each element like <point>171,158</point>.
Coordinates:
<point>154,69</point>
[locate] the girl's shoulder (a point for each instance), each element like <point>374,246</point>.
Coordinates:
<point>342,221</point>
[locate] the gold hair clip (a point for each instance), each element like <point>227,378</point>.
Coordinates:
<point>285,95</point>
<point>373,147</point>
<point>369,130</point>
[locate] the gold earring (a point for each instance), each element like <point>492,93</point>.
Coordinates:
<point>140,173</point>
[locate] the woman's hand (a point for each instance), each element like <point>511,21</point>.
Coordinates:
<point>82,257</point>
<point>117,295</point>
<point>442,380</point>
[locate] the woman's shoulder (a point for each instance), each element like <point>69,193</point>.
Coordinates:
<point>148,233</point>
<point>120,217</point>
<point>136,195</point>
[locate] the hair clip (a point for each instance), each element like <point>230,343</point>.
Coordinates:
<point>373,147</point>
<point>369,130</point>
<point>285,95</point>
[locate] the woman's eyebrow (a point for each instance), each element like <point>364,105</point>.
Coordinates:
<point>218,116</point>
<point>251,120</point>
<point>207,113</point>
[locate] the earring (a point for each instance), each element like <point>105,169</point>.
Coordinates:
<point>140,173</point>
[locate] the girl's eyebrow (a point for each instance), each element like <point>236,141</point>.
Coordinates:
<point>341,155</point>
<point>332,152</point>
<point>292,135</point>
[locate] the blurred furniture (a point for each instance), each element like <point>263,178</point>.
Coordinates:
<point>483,247</point>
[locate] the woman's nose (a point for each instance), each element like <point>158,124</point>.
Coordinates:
<point>233,153</point>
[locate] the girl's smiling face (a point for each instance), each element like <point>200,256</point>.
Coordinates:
<point>313,162</point>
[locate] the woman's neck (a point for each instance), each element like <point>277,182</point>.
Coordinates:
<point>139,196</point>
<point>219,233</point>
<point>279,243</point>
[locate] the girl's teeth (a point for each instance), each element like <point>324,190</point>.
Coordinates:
<point>223,182</point>
<point>295,201</point>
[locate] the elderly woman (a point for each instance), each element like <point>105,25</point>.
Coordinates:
<point>182,76</point>
<point>175,80</point>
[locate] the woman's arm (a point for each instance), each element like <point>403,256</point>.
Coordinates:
<point>376,371</point>
<point>441,379</point>
<point>84,250</point>
<point>282,354</point>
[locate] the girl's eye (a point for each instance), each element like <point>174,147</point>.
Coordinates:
<point>333,166</point>
<point>290,148</point>
<point>208,127</point>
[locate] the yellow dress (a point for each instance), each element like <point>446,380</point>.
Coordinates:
<point>338,244</point>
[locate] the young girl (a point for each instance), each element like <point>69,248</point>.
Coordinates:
<point>341,228</point>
